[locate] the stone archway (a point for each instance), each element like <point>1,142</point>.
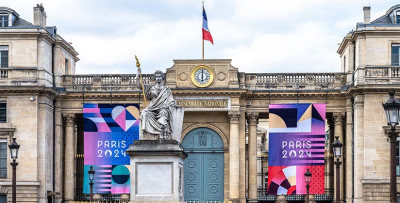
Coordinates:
<point>204,167</point>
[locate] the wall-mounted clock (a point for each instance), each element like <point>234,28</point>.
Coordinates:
<point>202,76</point>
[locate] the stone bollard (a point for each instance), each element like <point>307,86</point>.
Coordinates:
<point>312,199</point>
<point>96,197</point>
<point>281,199</point>
<point>125,198</point>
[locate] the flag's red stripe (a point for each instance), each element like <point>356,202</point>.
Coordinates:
<point>207,36</point>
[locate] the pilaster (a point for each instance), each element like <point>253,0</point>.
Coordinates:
<point>252,150</point>
<point>234,163</point>
<point>69,156</point>
<point>348,164</point>
<point>242,155</point>
<point>58,153</point>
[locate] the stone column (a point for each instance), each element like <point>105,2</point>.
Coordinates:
<point>234,156</point>
<point>252,148</point>
<point>349,153</point>
<point>58,154</point>
<point>242,155</point>
<point>69,157</point>
<point>339,120</point>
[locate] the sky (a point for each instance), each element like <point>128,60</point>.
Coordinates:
<point>260,36</point>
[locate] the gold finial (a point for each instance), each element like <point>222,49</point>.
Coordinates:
<point>137,62</point>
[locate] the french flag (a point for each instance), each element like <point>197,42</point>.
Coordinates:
<point>206,31</point>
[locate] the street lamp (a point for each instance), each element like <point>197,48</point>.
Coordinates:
<point>337,152</point>
<point>91,173</point>
<point>391,108</point>
<point>307,176</point>
<point>14,147</point>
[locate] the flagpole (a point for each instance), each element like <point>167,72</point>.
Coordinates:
<point>203,48</point>
<point>202,37</point>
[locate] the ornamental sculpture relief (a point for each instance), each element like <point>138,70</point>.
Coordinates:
<point>252,118</point>
<point>234,116</point>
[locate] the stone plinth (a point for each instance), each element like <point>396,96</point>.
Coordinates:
<point>156,170</point>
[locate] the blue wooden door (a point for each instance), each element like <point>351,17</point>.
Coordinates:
<point>204,167</point>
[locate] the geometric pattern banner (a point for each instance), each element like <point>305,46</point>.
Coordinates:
<point>109,129</point>
<point>296,143</point>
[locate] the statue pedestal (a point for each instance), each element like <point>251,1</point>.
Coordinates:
<point>156,170</point>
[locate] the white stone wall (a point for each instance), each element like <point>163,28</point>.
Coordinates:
<point>22,53</point>
<point>23,116</point>
<point>60,55</point>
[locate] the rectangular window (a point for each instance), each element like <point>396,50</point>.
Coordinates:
<point>397,17</point>
<point>395,54</point>
<point>66,66</point>
<point>3,56</point>
<point>3,198</point>
<point>3,158</point>
<point>3,20</point>
<point>3,112</point>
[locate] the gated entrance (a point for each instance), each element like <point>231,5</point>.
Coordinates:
<point>204,167</point>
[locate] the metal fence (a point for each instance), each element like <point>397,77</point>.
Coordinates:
<point>152,201</point>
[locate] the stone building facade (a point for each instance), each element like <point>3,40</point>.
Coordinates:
<point>41,105</point>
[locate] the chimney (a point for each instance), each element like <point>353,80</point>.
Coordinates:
<point>367,14</point>
<point>39,16</point>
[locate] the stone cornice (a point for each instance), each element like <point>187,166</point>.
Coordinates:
<point>370,88</point>
<point>205,92</point>
<point>67,47</point>
<point>29,89</point>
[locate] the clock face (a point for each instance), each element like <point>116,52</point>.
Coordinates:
<point>202,76</point>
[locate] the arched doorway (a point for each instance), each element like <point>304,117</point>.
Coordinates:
<point>204,167</point>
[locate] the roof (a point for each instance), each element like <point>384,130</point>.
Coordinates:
<point>385,19</point>
<point>9,10</point>
<point>21,23</point>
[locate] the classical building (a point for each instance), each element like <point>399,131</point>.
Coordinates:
<point>41,102</point>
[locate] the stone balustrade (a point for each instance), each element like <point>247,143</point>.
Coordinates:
<point>108,82</point>
<point>253,81</point>
<point>20,77</point>
<point>377,75</point>
<point>257,81</point>
<point>290,81</point>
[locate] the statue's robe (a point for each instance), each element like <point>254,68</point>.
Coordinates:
<point>157,114</point>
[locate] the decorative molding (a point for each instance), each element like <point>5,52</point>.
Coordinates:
<point>338,118</point>
<point>183,76</point>
<point>69,120</point>
<point>234,116</point>
<point>212,127</point>
<point>221,76</point>
<point>7,132</point>
<point>252,118</point>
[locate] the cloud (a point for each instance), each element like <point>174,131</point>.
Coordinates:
<point>286,53</point>
<point>259,35</point>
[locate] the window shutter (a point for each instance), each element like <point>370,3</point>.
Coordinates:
<point>4,59</point>
<point>5,21</point>
<point>395,55</point>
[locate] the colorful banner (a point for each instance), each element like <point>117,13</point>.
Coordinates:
<point>109,129</point>
<point>296,143</point>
